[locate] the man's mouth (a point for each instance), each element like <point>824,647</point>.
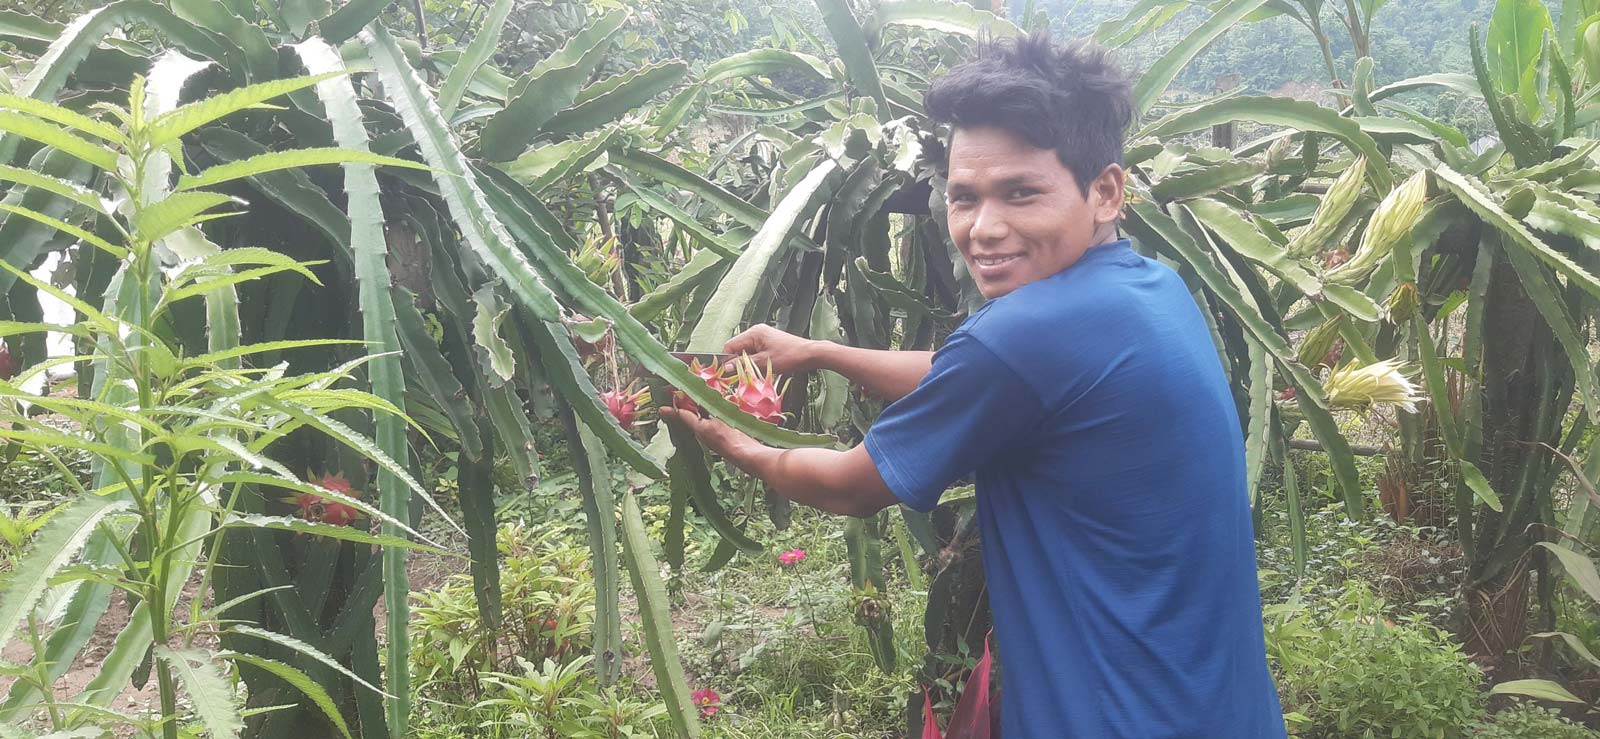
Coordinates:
<point>996,261</point>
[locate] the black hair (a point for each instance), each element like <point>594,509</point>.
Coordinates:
<point>1070,97</point>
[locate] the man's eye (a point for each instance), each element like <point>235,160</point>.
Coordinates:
<point>962,199</point>
<point>1023,192</point>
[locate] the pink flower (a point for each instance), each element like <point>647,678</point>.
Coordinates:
<point>708,700</point>
<point>792,557</point>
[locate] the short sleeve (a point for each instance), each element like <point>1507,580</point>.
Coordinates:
<point>969,407</point>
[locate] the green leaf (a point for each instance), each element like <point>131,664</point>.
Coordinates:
<point>1206,180</point>
<point>299,681</point>
<point>51,70</point>
<point>1551,306</point>
<point>704,236</point>
<point>173,124</point>
<point>475,488</point>
<point>850,42</point>
<point>1456,82</point>
<point>208,689</point>
<point>273,637</point>
<point>28,26</point>
<point>294,158</point>
<point>1560,213</point>
<point>57,114</point>
<point>343,24</point>
<point>1544,690</point>
<point>535,229</point>
<point>1579,567</point>
<point>290,188</point>
<point>300,13</point>
<point>688,464</point>
<point>543,166</point>
<point>656,617</point>
<point>725,311</point>
<point>706,264</point>
<point>608,100</point>
<point>484,41</point>
<point>547,89</point>
<point>53,548</point>
<point>29,127</point>
<point>227,22</point>
<point>1473,477</point>
<point>1515,40</point>
<point>1524,142</point>
<point>55,185</point>
<point>434,370</point>
<point>1161,74</point>
<point>1300,115</point>
<point>341,533</point>
<point>486,335</point>
<point>1476,198</point>
<point>600,518</point>
<point>672,115</point>
<point>943,15</point>
<point>176,211</point>
<point>765,61</point>
<point>66,228</point>
<point>479,225</point>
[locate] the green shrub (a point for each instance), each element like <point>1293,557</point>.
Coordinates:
<point>547,606</point>
<point>1528,721</point>
<point>1352,673</point>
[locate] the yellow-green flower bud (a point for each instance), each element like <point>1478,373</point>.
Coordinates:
<point>1391,223</point>
<point>1319,342</point>
<point>1342,196</point>
<point>1403,303</point>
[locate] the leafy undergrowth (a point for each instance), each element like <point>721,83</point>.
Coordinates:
<point>774,646</point>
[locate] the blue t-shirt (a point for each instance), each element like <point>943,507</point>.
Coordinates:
<point>1112,502</point>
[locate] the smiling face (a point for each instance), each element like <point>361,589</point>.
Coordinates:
<point>1017,213</point>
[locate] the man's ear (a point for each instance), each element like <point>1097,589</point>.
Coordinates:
<point>1106,194</point>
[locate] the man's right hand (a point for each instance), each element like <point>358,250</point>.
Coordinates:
<point>789,354</point>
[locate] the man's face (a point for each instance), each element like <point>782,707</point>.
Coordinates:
<point>1017,213</point>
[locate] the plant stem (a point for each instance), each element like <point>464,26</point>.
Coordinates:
<point>811,609</point>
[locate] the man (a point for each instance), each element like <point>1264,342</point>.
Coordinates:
<point>1087,396</point>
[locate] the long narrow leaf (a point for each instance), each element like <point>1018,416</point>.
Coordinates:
<point>1161,74</point>
<point>723,314</point>
<point>656,617</point>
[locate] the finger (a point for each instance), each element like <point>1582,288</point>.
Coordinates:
<point>747,340</point>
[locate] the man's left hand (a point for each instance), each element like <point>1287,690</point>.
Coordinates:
<point>722,439</point>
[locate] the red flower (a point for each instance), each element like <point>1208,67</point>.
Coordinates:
<point>792,557</point>
<point>708,700</point>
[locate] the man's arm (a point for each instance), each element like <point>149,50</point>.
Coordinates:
<point>846,483</point>
<point>889,375</point>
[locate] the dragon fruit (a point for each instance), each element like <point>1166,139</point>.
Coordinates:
<point>625,404</point>
<point>715,378</point>
<point>317,509</point>
<point>9,365</point>
<point>758,394</point>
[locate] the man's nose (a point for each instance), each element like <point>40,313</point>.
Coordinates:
<point>989,224</point>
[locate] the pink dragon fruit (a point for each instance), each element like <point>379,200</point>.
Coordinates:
<point>758,394</point>
<point>625,404</point>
